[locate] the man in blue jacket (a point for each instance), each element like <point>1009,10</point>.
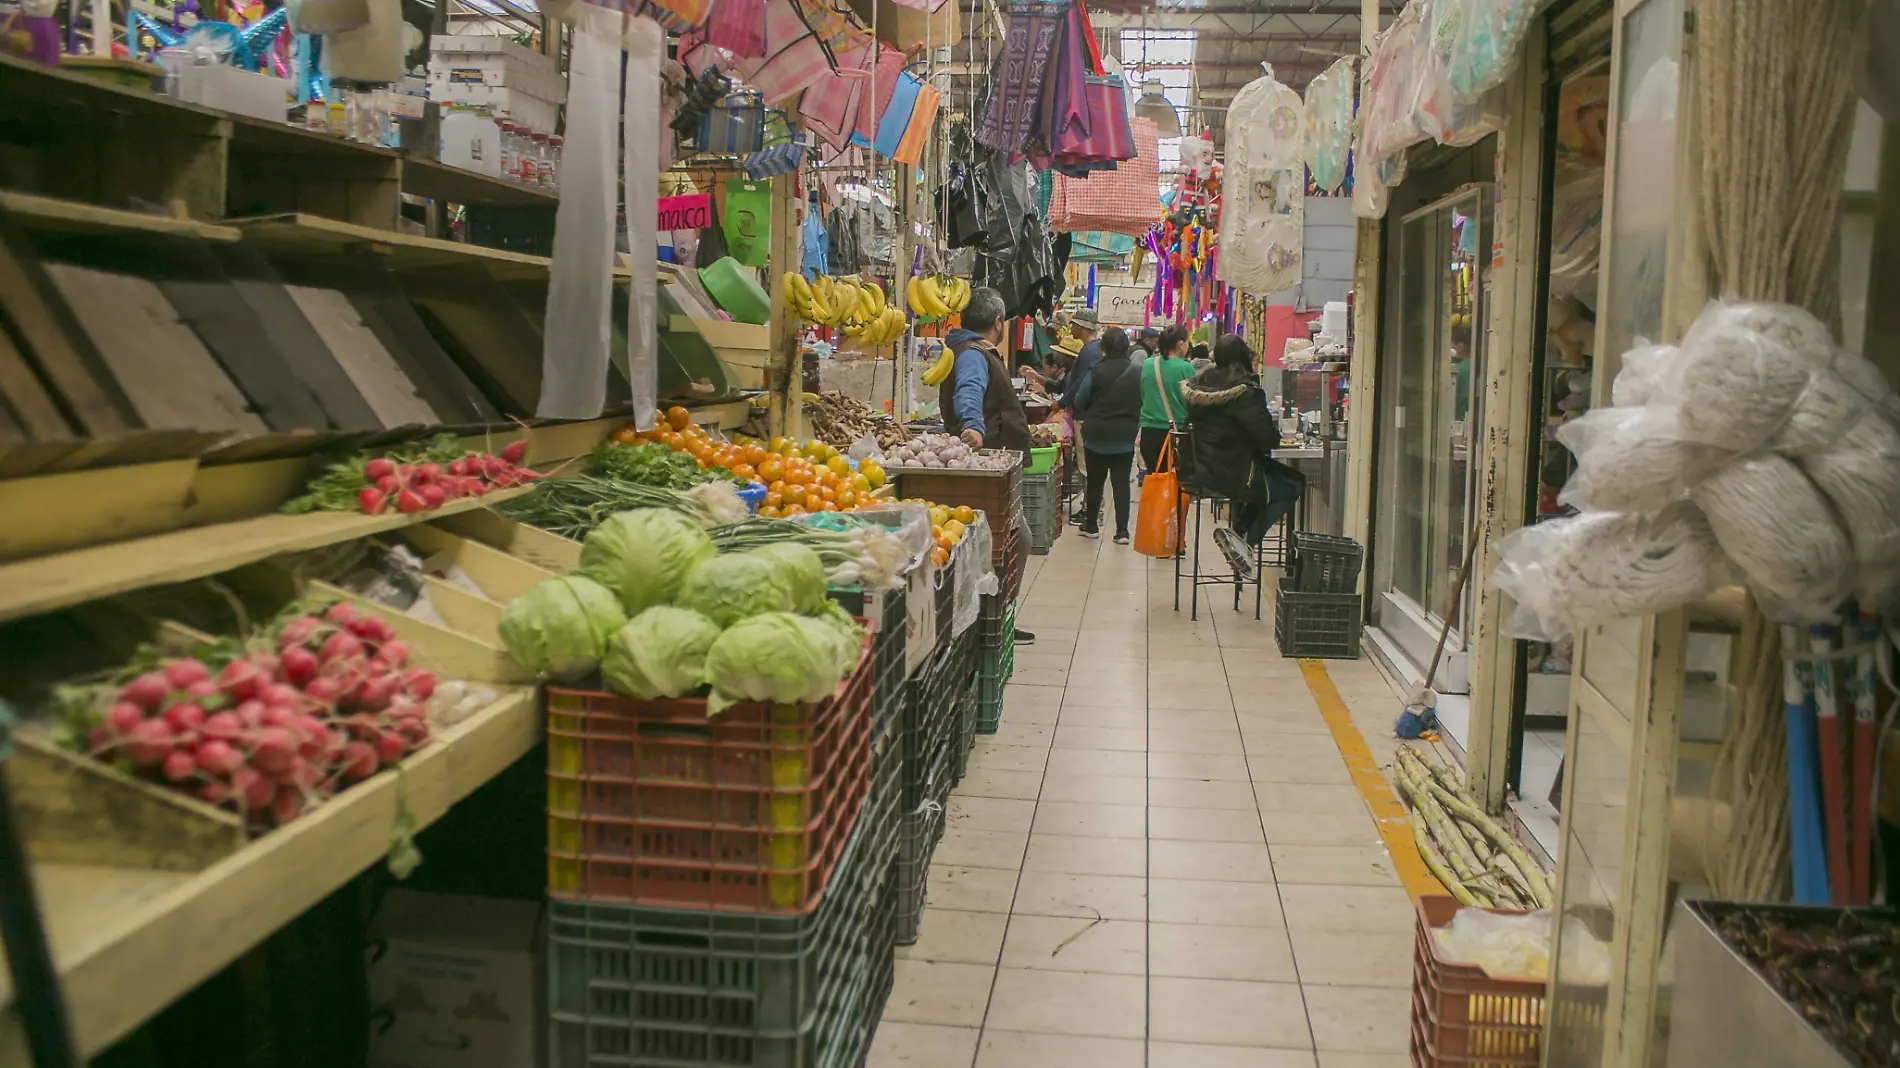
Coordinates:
<point>978,402</point>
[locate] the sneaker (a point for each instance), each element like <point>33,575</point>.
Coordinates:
<point>1025,637</point>
<point>1238,554</point>
<point>1090,532</point>
<point>1121,539</point>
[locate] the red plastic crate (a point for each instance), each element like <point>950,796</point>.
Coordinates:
<point>652,803</point>
<point>1463,1016</point>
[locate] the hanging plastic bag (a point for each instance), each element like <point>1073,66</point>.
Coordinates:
<point>1264,189</point>
<point>1387,116</point>
<point>1484,46</point>
<point>1158,520</point>
<point>748,221</point>
<point>1329,124</point>
<point>641,127</point>
<point>575,345</point>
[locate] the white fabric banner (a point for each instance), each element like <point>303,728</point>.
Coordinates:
<point>577,335</point>
<point>646,47</point>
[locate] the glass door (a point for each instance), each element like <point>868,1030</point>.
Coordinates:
<point>1432,408</point>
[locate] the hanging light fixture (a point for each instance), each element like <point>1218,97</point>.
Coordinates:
<point>1153,104</point>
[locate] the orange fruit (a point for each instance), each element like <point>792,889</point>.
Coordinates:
<point>678,418</point>
<point>771,468</point>
<point>776,445</point>
<point>861,483</point>
<point>745,471</point>
<point>796,477</point>
<point>964,514</point>
<point>793,494</point>
<point>792,510</point>
<point>769,511</point>
<point>773,499</point>
<point>827,506</point>
<point>940,556</point>
<point>827,493</point>
<point>839,465</point>
<point>627,435</point>
<point>847,498</point>
<point>754,455</point>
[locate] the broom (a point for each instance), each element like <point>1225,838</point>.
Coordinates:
<point>1417,717</point>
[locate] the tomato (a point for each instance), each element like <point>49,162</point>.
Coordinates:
<point>771,468</point>
<point>828,506</point>
<point>678,418</point>
<point>796,477</point>
<point>627,435</point>
<point>827,493</point>
<point>754,455</point>
<point>772,498</point>
<point>793,494</point>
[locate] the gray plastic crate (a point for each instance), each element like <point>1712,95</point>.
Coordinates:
<point>1321,625</point>
<point>1040,508</point>
<point>1326,563</point>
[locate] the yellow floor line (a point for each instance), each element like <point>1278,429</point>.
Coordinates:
<point>1395,827</point>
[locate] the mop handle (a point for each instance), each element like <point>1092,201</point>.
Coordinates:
<point>1866,737</point>
<point>1827,715</point>
<point>1804,807</point>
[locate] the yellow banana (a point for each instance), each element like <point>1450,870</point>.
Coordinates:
<point>934,304</point>
<point>877,296</point>
<point>962,286</point>
<point>911,298</point>
<point>941,369</point>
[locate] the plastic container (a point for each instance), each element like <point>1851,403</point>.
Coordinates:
<point>1325,563</point>
<point>962,683</point>
<point>996,661</point>
<point>753,494</point>
<point>1039,507</point>
<point>917,840</point>
<point>1460,1014</point>
<point>944,586</point>
<point>1041,460</point>
<point>633,987</point>
<point>651,803</point>
<point>928,712</point>
<point>1321,625</point>
<point>734,288</point>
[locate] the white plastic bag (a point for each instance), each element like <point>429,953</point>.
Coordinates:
<point>1486,44</point>
<point>641,167</point>
<point>1632,460</point>
<point>577,334</point>
<point>1387,116</point>
<point>1774,524</point>
<point>1329,124</point>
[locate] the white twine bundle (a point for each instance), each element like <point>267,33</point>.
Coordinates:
<point>1644,368</point>
<point>1632,460</point>
<point>1860,475</point>
<point>1737,387</point>
<point>1577,572</point>
<point>1775,525</point>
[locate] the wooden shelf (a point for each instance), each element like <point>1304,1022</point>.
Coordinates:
<point>129,942</point>
<point>72,216</point>
<point>439,181</point>
<point>47,583</point>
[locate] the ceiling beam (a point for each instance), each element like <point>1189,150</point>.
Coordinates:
<point>1233,20</point>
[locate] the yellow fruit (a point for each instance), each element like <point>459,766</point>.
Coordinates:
<point>941,369</point>
<point>953,530</point>
<point>964,514</point>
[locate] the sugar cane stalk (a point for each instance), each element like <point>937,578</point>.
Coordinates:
<point>1453,843</point>
<point>1531,875</point>
<point>1436,864</point>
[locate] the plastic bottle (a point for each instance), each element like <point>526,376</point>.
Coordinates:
<point>506,138</point>
<point>554,176</point>
<point>543,161</point>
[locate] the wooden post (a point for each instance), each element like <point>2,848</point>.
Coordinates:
<point>1363,363</point>
<point>785,378</point>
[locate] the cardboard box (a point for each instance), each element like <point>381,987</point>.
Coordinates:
<point>240,92</point>
<point>459,983</point>
<point>532,111</point>
<point>495,63</point>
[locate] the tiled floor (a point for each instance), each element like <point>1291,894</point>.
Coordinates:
<point>1159,861</point>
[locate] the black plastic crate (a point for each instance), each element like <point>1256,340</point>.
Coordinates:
<point>995,664</point>
<point>1326,563</point>
<point>632,987</point>
<point>917,840</point>
<point>1321,625</point>
<point>926,734</point>
<point>963,682</point>
<point>946,592</point>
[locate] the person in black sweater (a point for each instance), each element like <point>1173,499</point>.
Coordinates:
<point>1234,438</point>
<point>1109,403</point>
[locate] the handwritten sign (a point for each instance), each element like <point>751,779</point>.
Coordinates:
<point>684,213</point>
<point>1122,305</point>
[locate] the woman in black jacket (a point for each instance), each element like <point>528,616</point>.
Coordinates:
<point>1234,437</point>
<point>1109,403</point>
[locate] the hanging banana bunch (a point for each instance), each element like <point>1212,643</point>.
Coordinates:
<point>937,296</point>
<point>940,370</point>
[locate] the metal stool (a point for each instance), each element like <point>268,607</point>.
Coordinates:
<point>1193,498</point>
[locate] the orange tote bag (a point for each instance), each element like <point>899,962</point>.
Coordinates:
<point>1158,523</point>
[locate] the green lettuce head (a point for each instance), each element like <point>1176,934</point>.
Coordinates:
<point>802,572</point>
<point>644,555</point>
<point>778,657</point>
<point>659,653</point>
<point>732,586</point>
<point>560,627</point>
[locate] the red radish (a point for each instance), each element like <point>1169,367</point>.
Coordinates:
<point>202,690</point>
<point>389,485</point>
<point>432,495</point>
<point>266,662</point>
<point>325,690</point>
<point>124,717</point>
<point>333,742</point>
<point>304,775</point>
<point>405,471</point>
<point>419,684</point>
<point>429,472</point>
<point>390,747</point>
<point>286,806</point>
<point>179,766</point>
<point>276,748</point>
<point>182,673</point>
<point>100,738</point>
<point>149,743</point>
<point>219,758</point>
<point>276,716</point>
<point>148,691</point>
<point>458,468</point>
<point>409,503</point>
<point>415,733</point>
<point>183,718</point>
<point>226,726</point>
<point>252,790</point>
<point>380,467</point>
<point>281,693</point>
<point>298,631</point>
<point>340,646</point>
<point>370,500</point>
<point>363,726</point>
<point>359,762</point>
<point>214,793</point>
<point>395,652</point>
<point>378,691</point>
<point>314,736</point>
<point>300,666</point>
<point>242,680</point>
<point>515,451</point>
<point>340,613</point>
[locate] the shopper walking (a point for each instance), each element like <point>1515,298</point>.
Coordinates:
<point>1083,325</point>
<point>976,398</point>
<point>1162,408</point>
<point>1109,403</point>
<point>1234,438</point>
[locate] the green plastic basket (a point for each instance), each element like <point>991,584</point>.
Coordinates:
<point>1042,460</point>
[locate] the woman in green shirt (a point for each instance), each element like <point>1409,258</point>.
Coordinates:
<point>1161,404</point>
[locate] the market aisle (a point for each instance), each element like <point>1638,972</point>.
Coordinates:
<point>1160,859</point>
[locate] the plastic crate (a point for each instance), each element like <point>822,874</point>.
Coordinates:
<point>1461,1015</point>
<point>884,612</point>
<point>993,492</point>
<point>945,590</point>
<point>1321,625</point>
<point>996,661</point>
<point>652,803</point>
<point>1324,563</point>
<point>926,734</point>
<point>961,681</point>
<point>917,840</point>
<point>632,987</point>
<point>1039,507</point>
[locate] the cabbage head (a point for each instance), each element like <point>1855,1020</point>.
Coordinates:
<point>779,657</point>
<point>644,555</point>
<point>560,627</point>
<point>803,571</point>
<point>847,632</point>
<point>659,653</point>
<point>732,586</point>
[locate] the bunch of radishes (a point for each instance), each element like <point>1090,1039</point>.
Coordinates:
<point>421,487</point>
<point>273,733</point>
